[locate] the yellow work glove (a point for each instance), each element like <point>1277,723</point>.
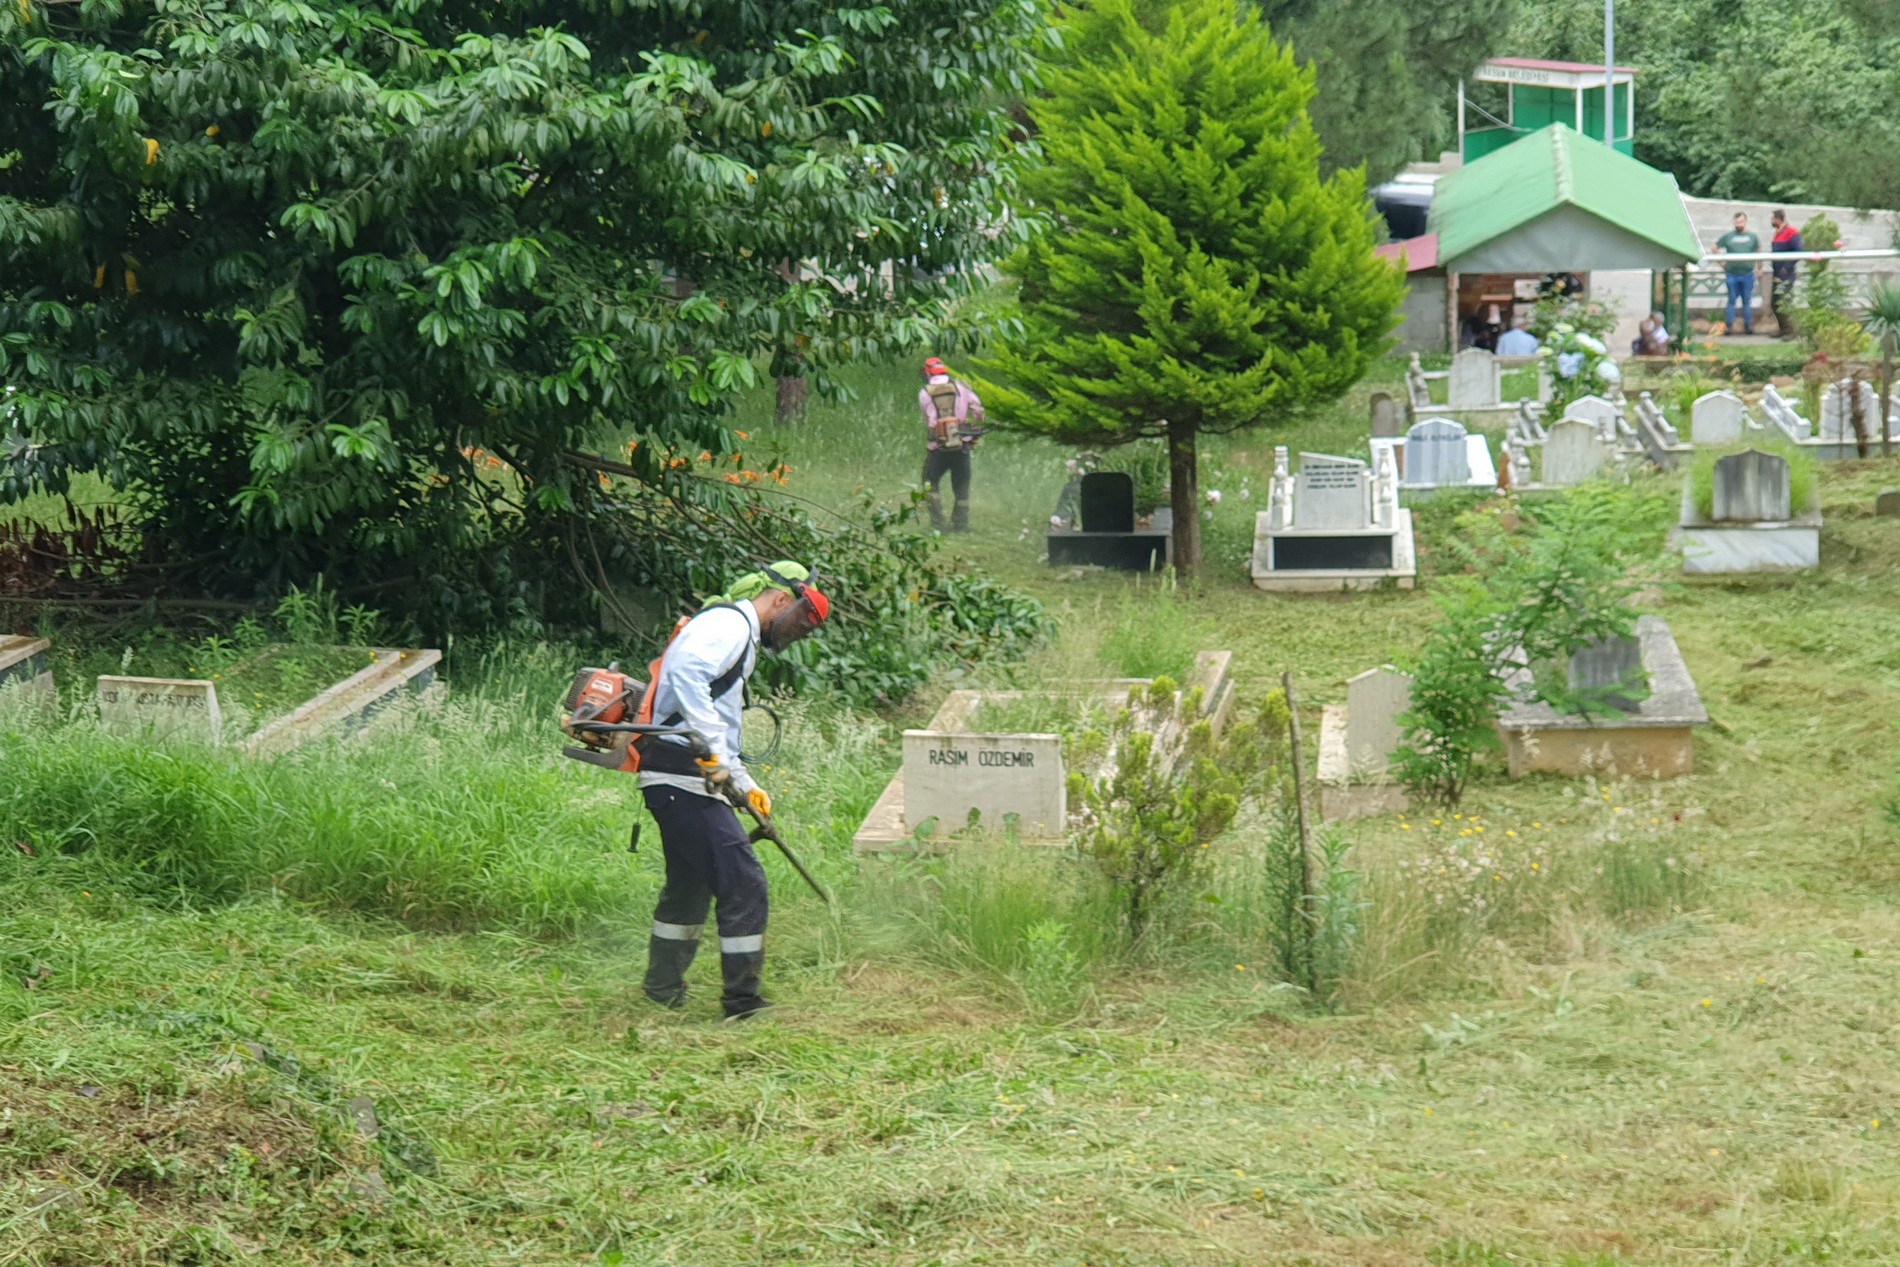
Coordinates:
<point>761,803</point>
<point>712,770</point>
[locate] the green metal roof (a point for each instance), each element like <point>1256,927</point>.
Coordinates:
<point>1559,201</point>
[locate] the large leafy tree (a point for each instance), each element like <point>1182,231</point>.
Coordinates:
<point>1388,70</point>
<point>290,272</point>
<point>1749,98</point>
<point>1199,275</point>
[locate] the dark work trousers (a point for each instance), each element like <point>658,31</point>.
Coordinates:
<point>956,464</point>
<point>1781,299</point>
<point>708,859</point>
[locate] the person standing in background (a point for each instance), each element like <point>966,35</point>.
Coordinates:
<point>1787,240</point>
<point>949,407</point>
<point>1740,274</point>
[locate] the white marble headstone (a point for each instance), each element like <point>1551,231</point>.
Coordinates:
<point>1330,492</point>
<point>1474,379</point>
<point>1595,410</point>
<point>1385,415</point>
<point>1436,455</point>
<point>1573,452</point>
<point>1374,701</point>
<point>1837,415</point>
<point>1716,419</point>
<point>1751,486</point>
<point>1003,778</point>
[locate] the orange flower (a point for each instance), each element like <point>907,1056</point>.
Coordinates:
<point>743,435</point>
<point>705,455</point>
<point>730,478</point>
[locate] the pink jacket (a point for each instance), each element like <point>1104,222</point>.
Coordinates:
<point>966,408</point>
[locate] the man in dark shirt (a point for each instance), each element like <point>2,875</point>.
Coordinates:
<point>1740,275</point>
<point>1781,293</point>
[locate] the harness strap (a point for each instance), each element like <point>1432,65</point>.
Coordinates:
<point>730,678</point>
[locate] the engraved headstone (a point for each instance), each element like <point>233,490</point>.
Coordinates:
<point>1595,410</point>
<point>1751,486</point>
<point>1716,419</point>
<point>1474,379</point>
<point>1330,492</point>
<point>1374,701</point>
<point>1436,455</point>
<point>1386,415</point>
<point>1887,502</point>
<point>1573,452</point>
<point>1108,502</point>
<point>160,706</point>
<point>1008,780</point>
<point>1607,664</point>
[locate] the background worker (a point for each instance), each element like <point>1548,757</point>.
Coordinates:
<point>1787,239</point>
<point>948,405</point>
<point>708,857</point>
<point>1739,275</point>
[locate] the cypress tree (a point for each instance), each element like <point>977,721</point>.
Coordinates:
<point>1196,273</point>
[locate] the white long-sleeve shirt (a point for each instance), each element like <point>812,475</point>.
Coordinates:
<point>709,646</point>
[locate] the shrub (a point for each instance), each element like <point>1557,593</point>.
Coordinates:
<point>1456,687</point>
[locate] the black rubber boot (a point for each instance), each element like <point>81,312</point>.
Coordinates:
<point>935,505</point>
<point>742,974</point>
<point>960,516</point>
<point>668,958</point>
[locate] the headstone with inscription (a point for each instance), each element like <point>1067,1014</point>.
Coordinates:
<point>1474,381</point>
<point>1437,454</point>
<point>1753,487</point>
<point>160,706</point>
<point>1573,451</point>
<point>1330,493</point>
<point>1717,418</point>
<point>1006,782</point>
<point>1386,415</point>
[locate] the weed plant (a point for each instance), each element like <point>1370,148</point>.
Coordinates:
<point>1153,634</point>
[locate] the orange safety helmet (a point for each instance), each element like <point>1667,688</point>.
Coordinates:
<point>934,366</point>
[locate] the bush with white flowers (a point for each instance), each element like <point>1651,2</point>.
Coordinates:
<point>1580,365</point>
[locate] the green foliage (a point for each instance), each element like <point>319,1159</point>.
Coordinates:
<point>1536,598</point>
<point>1144,463</point>
<point>1801,473</point>
<point>278,270</point>
<point>1198,275</point>
<point>1749,99</point>
<point>1456,688</point>
<point>1388,71</point>
<point>1154,630</point>
<point>1145,825</point>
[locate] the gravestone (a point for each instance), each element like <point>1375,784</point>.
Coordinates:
<point>1374,701</point>
<point>1436,455</point>
<point>1386,415</point>
<point>1108,502</point>
<point>1573,452</point>
<point>1887,502</point>
<point>1716,419</point>
<point>1837,413</point>
<point>160,706</point>
<point>1783,415</point>
<point>1751,486</point>
<point>1473,380</point>
<point>1597,411</point>
<point>1609,663</point>
<point>1330,492</point>
<point>947,774</point>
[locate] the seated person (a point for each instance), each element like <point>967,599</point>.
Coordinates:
<point>1517,341</point>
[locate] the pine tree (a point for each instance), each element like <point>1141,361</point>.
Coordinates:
<point>1197,274</point>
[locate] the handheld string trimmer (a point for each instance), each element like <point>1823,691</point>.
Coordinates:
<point>601,750</point>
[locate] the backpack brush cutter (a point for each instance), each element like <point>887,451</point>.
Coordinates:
<point>595,712</point>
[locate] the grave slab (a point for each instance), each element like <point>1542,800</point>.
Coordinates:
<point>1654,740</point>
<point>1001,779</point>
<point>1751,529</point>
<point>351,704</point>
<point>1333,528</point>
<point>1598,412</point>
<point>1573,451</point>
<point>1887,502</point>
<point>23,668</point>
<point>1095,526</point>
<point>160,707</point>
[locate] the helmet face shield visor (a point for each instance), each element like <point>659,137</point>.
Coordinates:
<point>798,621</point>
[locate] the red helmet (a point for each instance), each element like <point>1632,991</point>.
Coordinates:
<point>934,366</point>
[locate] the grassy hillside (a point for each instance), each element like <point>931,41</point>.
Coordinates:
<point>380,1003</point>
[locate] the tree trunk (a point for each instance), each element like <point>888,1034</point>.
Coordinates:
<point>1858,413</point>
<point>1886,394</point>
<point>1184,478</point>
<point>791,401</point>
